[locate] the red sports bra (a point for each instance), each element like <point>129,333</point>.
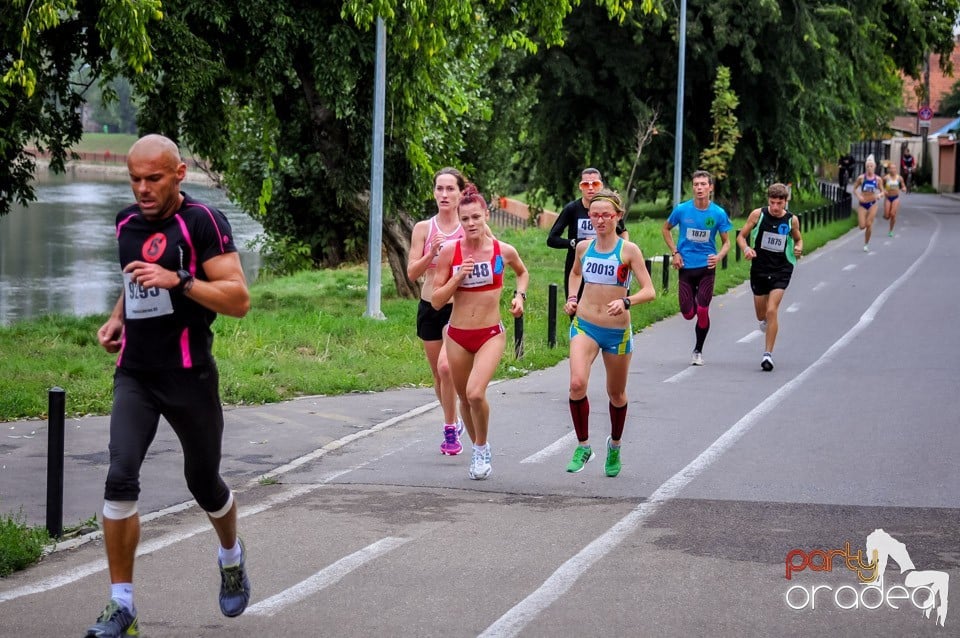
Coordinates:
<point>486,275</point>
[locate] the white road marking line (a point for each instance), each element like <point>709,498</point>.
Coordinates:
<point>327,576</point>
<point>82,571</point>
<point>820,286</point>
<point>339,443</point>
<point>564,442</point>
<point>166,540</point>
<point>521,614</point>
<point>680,375</point>
<point>752,336</point>
<point>849,267</point>
<point>793,307</point>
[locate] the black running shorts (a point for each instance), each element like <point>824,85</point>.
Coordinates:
<point>430,322</point>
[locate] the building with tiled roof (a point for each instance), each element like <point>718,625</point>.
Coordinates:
<point>940,85</point>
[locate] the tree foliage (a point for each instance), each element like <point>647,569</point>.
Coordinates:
<point>950,104</point>
<point>517,93</point>
<point>716,157</point>
<point>279,96</point>
<point>42,42</point>
<point>811,76</point>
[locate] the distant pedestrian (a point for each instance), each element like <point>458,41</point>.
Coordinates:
<point>180,268</point>
<point>908,164</point>
<point>845,169</point>
<point>772,242</point>
<point>573,224</point>
<point>470,273</point>
<point>601,324</point>
<point>695,254</point>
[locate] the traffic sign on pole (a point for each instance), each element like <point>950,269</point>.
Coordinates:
<point>925,113</point>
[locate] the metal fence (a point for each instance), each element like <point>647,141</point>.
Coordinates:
<point>503,219</point>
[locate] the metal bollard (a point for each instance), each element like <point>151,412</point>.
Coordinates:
<point>649,265</point>
<point>55,418</point>
<point>666,272</point>
<point>518,337</point>
<point>737,254</point>
<point>552,315</point>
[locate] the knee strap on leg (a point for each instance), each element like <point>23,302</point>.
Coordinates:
<point>220,513</point>
<point>119,510</point>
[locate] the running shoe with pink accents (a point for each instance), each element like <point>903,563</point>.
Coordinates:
<point>451,441</point>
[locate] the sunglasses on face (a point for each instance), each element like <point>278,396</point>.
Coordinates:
<point>594,184</point>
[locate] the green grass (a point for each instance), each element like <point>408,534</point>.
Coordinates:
<point>20,545</point>
<point>116,143</point>
<point>306,334</point>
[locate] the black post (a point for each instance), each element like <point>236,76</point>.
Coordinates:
<point>666,272</point>
<point>648,263</point>
<point>55,419</point>
<point>552,315</point>
<point>518,337</point>
<point>736,247</point>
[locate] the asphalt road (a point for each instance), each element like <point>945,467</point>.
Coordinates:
<point>357,526</point>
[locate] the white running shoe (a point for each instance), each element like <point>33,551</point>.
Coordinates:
<point>763,326</point>
<point>866,248</point>
<point>696,359</point>
<point>767,362</point>
<point>480,467</point>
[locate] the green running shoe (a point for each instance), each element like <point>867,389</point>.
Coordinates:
<point>581,455</point>
<point>115,621</point>
<point>612,466</point>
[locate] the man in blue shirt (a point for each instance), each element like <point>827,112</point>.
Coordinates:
<point>695,253</point>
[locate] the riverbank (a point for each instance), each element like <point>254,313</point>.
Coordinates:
<point>79,169</point>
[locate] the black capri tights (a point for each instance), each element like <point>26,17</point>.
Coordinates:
<point>190,401</point>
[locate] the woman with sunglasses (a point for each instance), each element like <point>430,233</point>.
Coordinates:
<point>470,274</point>
<point>573,224</point>
<point>601,323</point>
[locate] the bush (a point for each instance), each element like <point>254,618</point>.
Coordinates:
<point>20,545</point>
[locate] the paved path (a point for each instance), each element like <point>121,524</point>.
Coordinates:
<point>364,529</point>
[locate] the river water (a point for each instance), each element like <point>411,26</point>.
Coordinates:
<point>59,254</point>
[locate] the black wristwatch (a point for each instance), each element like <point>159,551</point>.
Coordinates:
<point>186,280</point>
<point>626,303</point>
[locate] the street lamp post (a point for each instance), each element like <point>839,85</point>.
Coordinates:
<point>376,178</point>
<point>678,129</point>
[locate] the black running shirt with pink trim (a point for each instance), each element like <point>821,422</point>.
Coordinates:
<point>163,329</point>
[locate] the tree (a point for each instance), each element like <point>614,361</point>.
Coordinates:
<point>950,104</point>
<point>646,129</point>
<point>278,94</point>
<point>42,43</point>
<point>810,75</point>
<point>716,157</point>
